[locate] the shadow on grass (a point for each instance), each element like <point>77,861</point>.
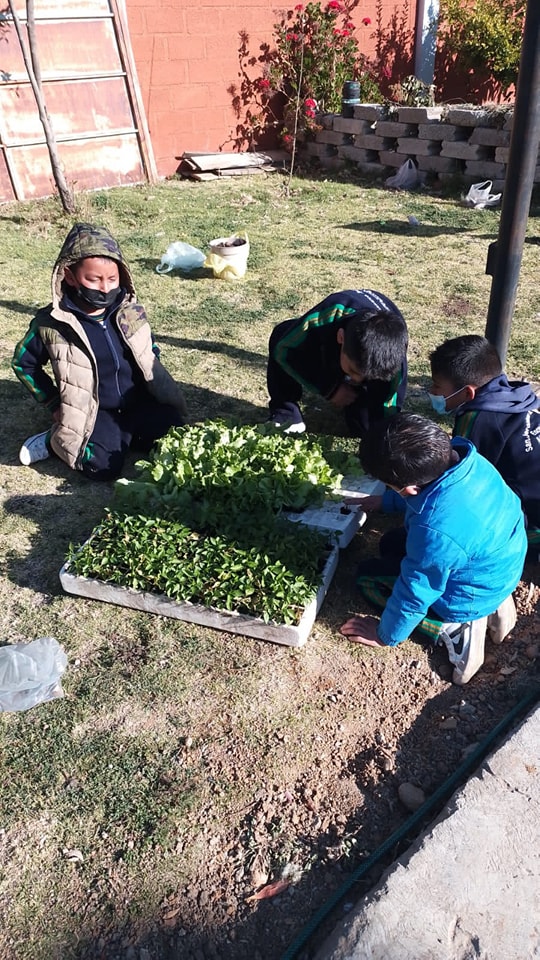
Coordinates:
<point>217,347</point>
<point>403,227</point>
<point>18,307</point>
<point>150,264</point>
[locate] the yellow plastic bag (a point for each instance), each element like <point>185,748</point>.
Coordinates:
<point>228,256</point>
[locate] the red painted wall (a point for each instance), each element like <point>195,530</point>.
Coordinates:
<point>187,57</point>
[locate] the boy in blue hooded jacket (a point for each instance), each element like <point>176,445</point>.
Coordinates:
<point>453,566</point>
<point>501,418</point>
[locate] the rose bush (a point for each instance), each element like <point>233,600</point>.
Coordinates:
<point>314,51</point>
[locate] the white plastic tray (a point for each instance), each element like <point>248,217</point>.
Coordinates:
<point>339,520</point>
<point>231,622</point>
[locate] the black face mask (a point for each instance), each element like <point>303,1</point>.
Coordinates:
<point>98,298</point>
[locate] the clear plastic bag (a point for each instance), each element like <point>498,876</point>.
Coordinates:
<point>228,256</point>
<point>30,673</point>
<point>180,256</point>
<point>406,178</point>
<point>480,196</point>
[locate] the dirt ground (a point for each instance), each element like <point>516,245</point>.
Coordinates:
<point>385,720</point>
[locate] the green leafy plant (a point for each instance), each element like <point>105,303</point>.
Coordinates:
<point>203,524</point>
<point>215,476</point>
<point>484,36</point>
<point>413,92</point>
<point>275,578</point>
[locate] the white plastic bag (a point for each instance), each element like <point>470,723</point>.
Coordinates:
<point>480,195</point>
<point>30,673</point>
<point>180,256</point>
<point>228,256</point>
<point>406,178</point>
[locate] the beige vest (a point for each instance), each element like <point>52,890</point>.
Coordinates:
<point>75,371</point>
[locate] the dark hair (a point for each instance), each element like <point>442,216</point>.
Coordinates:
<point>406,449</point>
<point>376,342</point>
<point>466,360</point>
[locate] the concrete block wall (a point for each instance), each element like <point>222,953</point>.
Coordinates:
<point>471,142</point>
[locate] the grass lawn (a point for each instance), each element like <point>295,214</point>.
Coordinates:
<point>114,796</point>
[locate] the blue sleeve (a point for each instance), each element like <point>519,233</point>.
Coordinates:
<point>393,502</point>
<point>430,558</point>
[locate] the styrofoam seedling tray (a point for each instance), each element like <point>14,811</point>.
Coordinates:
<point>229,621</point>
<point>363,486</point>
<point>339,520</point>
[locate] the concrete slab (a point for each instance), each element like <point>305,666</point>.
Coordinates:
<point>469,888</point>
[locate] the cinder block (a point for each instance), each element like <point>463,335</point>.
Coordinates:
<point>391,128</point>
<point>490,137</point>
<point>369,111</point>
<point>419,114</point>
<point>373,169</point>
<point>416,147</point>
<point>440,164</point>
<point>509,121</point>
<point>390,158</point>
<point>351,125</point>
<point>485,169</point>
<point>358,154</point>
<point>330,136</point>
<point>473,116</point>
<point>502,154</point>
<point>465,151</point>
<point>331,163</point>
<point>442,131</point>
<point>326,120</point>
<point>316,149</point>
<point>370,141</point>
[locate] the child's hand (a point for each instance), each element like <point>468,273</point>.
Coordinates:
<point>362,630</point>
<point>344,395</point>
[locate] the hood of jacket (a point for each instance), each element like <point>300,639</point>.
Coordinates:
<point>88,240</point>
<point>503,396</point>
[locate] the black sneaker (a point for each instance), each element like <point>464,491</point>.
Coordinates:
<point>287,421</point>
<point>465,645</point>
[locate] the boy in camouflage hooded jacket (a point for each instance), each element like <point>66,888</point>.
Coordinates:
<point>109,390</point>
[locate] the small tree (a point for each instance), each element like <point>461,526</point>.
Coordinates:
<point>31,61</point>
<point>484,36</point>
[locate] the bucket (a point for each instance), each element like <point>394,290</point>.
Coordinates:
<point>228,256</point>
<point>350,97</point>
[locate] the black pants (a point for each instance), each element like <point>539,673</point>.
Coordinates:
<point>115,431</point>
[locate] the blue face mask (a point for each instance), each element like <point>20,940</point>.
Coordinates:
<point>439,402</point>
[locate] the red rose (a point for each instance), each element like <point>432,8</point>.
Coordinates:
<point>366,21</point>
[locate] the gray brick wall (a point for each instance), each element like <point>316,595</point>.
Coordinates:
<point>472,142</point>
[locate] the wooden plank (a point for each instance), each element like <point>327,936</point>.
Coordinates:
<point>223,161</point>
<point>230,622</point>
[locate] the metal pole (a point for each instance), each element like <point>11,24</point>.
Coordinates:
<point>518,186</point>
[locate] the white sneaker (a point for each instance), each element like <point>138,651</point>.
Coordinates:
<point>34,449</point>
<point>465,645</point>
<point>503,620</point>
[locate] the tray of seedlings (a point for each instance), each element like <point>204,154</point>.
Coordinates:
<point>203,533</point>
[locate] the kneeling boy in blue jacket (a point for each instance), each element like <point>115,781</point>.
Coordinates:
<point>453,566</point>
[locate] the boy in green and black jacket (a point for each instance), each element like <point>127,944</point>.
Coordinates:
<point>351,349</point>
